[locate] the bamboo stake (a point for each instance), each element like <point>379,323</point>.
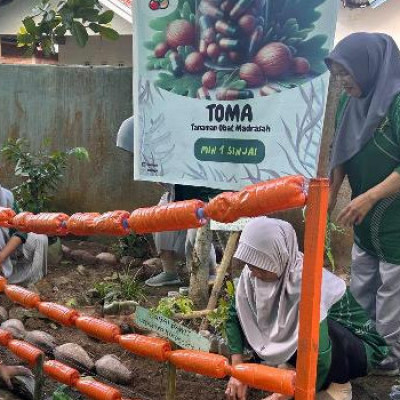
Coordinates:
<point>171,380</point>
<point>39,378</point>
<point>219,281</point>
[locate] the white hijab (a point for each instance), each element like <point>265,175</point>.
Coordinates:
<point>7,201</point>
<point>269,311</point>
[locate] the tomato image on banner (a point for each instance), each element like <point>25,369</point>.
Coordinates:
<point>230,92</point>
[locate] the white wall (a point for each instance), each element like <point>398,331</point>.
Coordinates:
<point>385,19</point>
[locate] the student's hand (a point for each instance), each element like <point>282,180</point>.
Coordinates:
<point>277,396</point>
<point>355,212</point>
<point>7,373</point>
<point>235,390</point>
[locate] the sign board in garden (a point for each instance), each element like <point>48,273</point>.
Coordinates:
<point>182,336</point>
<point>229,93</point>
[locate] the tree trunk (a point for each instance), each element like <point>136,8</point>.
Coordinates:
<point>198,265</point>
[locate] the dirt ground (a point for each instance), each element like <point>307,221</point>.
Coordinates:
<point>67,284</point>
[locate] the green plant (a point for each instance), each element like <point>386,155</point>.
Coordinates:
<point>60,394</point>
<point>219,316</point>
<point>330,228</point>
<point>47,25</point>
<point>132,245</point>
<point>41,172</point>
<point>168,306</point>
<point>124,286</point>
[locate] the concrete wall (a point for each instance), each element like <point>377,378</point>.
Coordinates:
<point>75,106</point>
<point>97,52</point>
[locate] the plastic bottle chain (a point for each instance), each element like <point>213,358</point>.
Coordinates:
<point>259,199</point>
<point>212,365</point>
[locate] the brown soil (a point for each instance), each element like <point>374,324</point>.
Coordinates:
<point>65,283</point>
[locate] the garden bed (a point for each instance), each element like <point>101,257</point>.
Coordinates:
<point>69,282</point>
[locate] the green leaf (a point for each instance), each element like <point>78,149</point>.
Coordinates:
<point>94,27</point>
<point>51,16</point>
<point>80,153</point>
<point>106,17</point>
<point>186,11</point>
<point>238,85</point>
<point>187,85</point>
<point>87,14</point>
<point>160,24</point>
<point>79,33</point>
<point>30,25</point>
<point>108,33</point>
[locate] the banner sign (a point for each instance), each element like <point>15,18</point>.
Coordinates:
<point>229,92</point>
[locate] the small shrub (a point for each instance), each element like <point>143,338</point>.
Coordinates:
<point>168,306</point>
<point>218,317</point>
<point>60,394</point>
<point>123,287</point>
<point>41,172</point>
<point>133,245</point>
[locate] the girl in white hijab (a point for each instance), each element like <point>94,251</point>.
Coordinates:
<point>23,257</point>
<point>266,316</point>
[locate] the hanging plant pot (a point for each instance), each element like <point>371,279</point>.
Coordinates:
<point>356,3</point>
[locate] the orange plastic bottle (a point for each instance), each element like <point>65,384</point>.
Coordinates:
<point>22,296</point>
<point>82,224</point>
<point>174,216</point>
<point>6,215</point>
<point>48,223</point>
<point>61,372</point>
<point>58,313</point>
<point>25,351</point>
<point>155,348</point>
<point>98,328</point>
<point>96,390</point>
<point>199,362</point>
<point>112,223</point>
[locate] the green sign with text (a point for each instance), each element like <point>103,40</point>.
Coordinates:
<point>180,335</point>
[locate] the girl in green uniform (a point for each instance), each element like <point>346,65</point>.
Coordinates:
<point>265,314</point>
<point>366,149</point>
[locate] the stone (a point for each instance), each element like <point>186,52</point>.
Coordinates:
<point>24,386</point>
<point>3,315</point>
<point>131,261</point>
<point>83,256</point>
<point>55,253</point>
<point>66,250</point>
<point>22,314</point>
<point>74,355</point>
<point>15,327</point>
<point>106,258</point>
<point>81,269</point>
<point>110,367</point>
<point>42,340</point>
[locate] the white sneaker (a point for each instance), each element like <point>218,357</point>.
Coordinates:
<point>336,391</point>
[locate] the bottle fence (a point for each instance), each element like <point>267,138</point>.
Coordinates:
<point>255,200</point>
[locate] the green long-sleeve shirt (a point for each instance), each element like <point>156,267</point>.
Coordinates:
<point>347,312</point>
<point>379,232</point>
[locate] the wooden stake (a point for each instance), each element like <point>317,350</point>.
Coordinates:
<point>192,315</point>
<point>219,281</point>
<point>328,131</point>
<point>171,380</point>
<point>198,265</point>
<point>39,378</point>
